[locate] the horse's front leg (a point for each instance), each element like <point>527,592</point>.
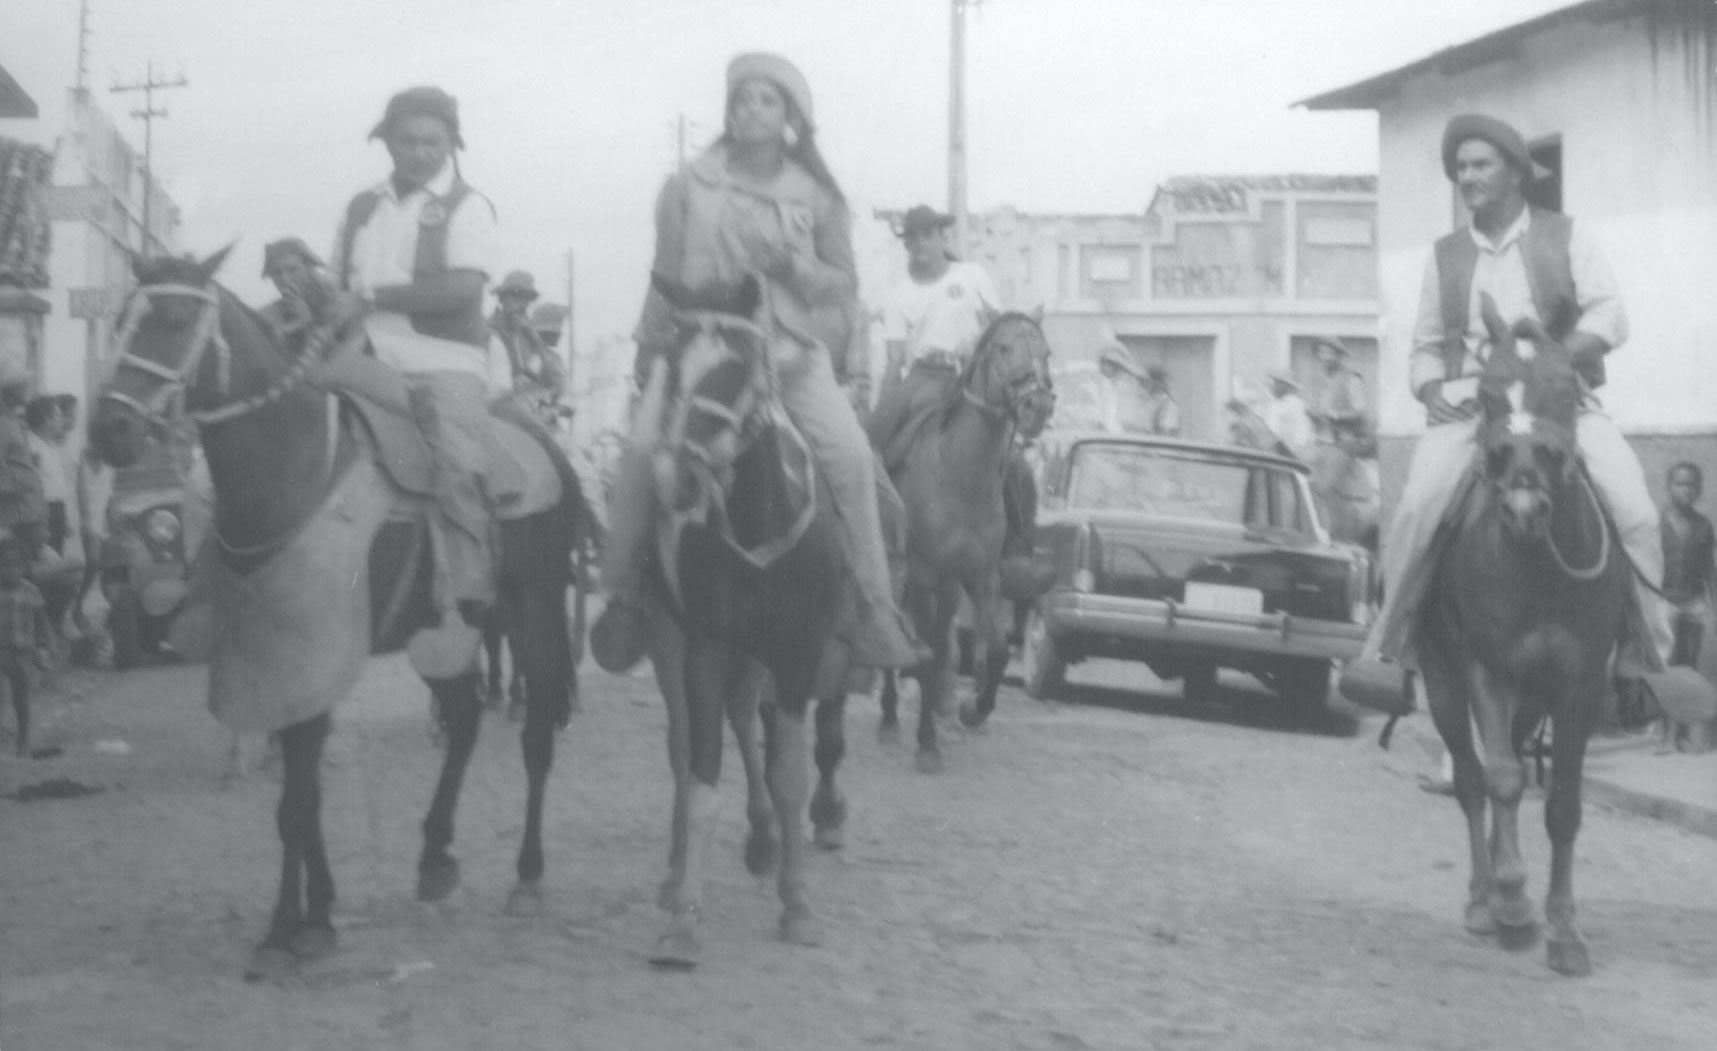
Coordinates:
<point>1495,703</point>
<point>1451,710</point>
<point>933,676</point>
<point>461,713</point>
<point>991,627</point>
<point>711,672</point>
<point>1566,947</point>
<point>297,822</point>
<point>667,647</point>
<point>754,694</point>
<point>828,803</point>
<point>538,646</point>
<point>888,730</point>
<point>789,777</point>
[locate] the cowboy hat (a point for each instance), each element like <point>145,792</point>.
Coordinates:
<point>1284,377</point>
<point>1332,343</point>
<point>421,102</point>
<point>1122,358</point>
<point>518,283</point>
<point>1469,126</point>
<point>921,218</point>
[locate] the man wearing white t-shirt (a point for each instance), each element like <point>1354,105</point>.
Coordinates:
<point>930,323</point>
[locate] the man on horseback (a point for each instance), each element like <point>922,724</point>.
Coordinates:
<point>537,371</point>
<point>931,323</point>
<point>1340,410</point>
<point>416,249</point>
<point>1533,264</point>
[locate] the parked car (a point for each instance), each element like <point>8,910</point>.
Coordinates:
<point>1190,557</point>
<point>143,564</point>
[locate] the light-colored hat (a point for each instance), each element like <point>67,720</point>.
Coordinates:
<point>1334,344</point>
<point>777,70</point>
<point>1122,358</point>
<point>1284,377</point>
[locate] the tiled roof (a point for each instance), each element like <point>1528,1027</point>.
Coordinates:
<point>25,172</point>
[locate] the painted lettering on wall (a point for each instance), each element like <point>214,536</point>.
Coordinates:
<point>1215,280</point>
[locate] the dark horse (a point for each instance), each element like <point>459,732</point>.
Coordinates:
<point>284,456</point>
<point>956,516</point>
<point>749,582</point>
<point>1526,606</point>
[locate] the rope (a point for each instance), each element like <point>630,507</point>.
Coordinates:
<point>1603,560</point>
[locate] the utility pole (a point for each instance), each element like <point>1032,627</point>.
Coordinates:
<point>83,46</point>
<point>957,122</point>
<point>680,144</point>
<point>149,85</point>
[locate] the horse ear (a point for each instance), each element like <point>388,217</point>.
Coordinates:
<point>210,266</point>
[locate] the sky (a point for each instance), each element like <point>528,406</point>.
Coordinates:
<point>570,107</point>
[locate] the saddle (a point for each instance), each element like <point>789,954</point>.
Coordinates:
<point>526,471</point>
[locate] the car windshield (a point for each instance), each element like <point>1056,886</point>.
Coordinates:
<point>1165,484</point>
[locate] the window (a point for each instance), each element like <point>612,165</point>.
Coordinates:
<point>1545,190</point>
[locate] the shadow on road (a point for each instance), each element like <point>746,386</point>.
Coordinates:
<point>1240,701</point>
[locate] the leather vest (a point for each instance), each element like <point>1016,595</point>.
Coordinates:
<point>1549,273</point>
<point>464,326</point>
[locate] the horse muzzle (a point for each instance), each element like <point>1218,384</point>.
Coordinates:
<point>1526,512</point>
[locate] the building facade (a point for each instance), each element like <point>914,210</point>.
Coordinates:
<point>1221,280</point>
<point>1618,102</point>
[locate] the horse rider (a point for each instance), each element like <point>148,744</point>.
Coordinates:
<point>761,202</point>
<point>537,371</point>
<point>1341,410</point>
<point>416,250</point>
<point>1121,395</point>
<point>1288,418</point>
<point>1535,264</point>
<point>1161,412</point>
<point>304,284</point>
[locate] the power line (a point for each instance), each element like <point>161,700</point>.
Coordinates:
<point>149,85</point>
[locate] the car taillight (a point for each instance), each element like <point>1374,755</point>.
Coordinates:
<point>1085,556</point>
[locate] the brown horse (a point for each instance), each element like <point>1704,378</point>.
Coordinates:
<point>956,517</point>
<point>304,519</point>
<point>1526,606</point>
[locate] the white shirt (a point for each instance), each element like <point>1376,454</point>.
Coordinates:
<point>947,314</point>
<point>384,252</point>
<point>51,468</point>
<point>1289,421</point>
<point>1500,270</point>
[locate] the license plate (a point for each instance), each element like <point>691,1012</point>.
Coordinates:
<point>1220,598</point>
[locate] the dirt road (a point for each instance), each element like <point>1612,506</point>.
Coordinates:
<point>1120,872</point>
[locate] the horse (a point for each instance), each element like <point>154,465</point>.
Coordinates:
<point>303,503</point>
<point>952,487</point>
<point>748,583</point>
<point>1527,602</point>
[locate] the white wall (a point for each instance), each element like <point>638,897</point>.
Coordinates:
<point>1636,109</point>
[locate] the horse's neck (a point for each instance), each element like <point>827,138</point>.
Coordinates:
<point>977,442</point>
<point>1577,524</point>
<point>268,466</point>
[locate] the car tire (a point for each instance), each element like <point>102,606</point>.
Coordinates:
<point>125,626</point>
<point>1198,683</point>
<point>1043,668</point>
<point>1305,684</point>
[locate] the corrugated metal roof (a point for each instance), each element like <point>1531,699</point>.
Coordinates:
<point>25,172</point>
<point>14,100</point>
<point>1367,94</point>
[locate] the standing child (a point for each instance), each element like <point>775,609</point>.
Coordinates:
<point>23,633</point>
<point>1689,557</point>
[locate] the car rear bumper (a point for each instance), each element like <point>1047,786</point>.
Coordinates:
<point>1100,617</point>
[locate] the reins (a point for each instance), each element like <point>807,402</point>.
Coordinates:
<point>1603,560</point>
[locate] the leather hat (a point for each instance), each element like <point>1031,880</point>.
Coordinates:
<point>922,217</point>
<point>518,283</point>
<point>423,101</point>
<point>1469,126</point>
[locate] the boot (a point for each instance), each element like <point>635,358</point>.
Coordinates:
<point>620,635</point>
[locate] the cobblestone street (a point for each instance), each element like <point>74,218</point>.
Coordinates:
<point>1119,872</point>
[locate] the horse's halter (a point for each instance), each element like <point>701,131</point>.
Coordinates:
<point>738,419</point>
<point>166,401</point>
<point>1017,389</point>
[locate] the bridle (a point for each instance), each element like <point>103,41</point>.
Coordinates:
<point>740,417</point>
<point>166,401</point>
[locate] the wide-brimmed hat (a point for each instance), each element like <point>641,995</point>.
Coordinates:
<point>548,317</point>
<point>1332,343</point>
<point>778,71</point>
<point>920,218</point>
<point>1469,126</point>
<point>425,101</point>
<point>517,283</point>
<point>1122,358</point>
<point>1284,377</point>
<point>275,252</point>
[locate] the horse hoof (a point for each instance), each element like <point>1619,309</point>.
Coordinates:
<point>760,853</point>
<point>313,943</point>
<point>828,811</point>
<point>828,837</point>
<point>799,927</point>
<point>929,761</point>
<point>1515,913</point>
<point>970,717</point>
<point>271,963</point>
<point>1570,958</point>
<point>1479,919</point>
<point>677,950</point>
<point>525,899</point>
<point>888,735</point>
<point>435,882</point>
